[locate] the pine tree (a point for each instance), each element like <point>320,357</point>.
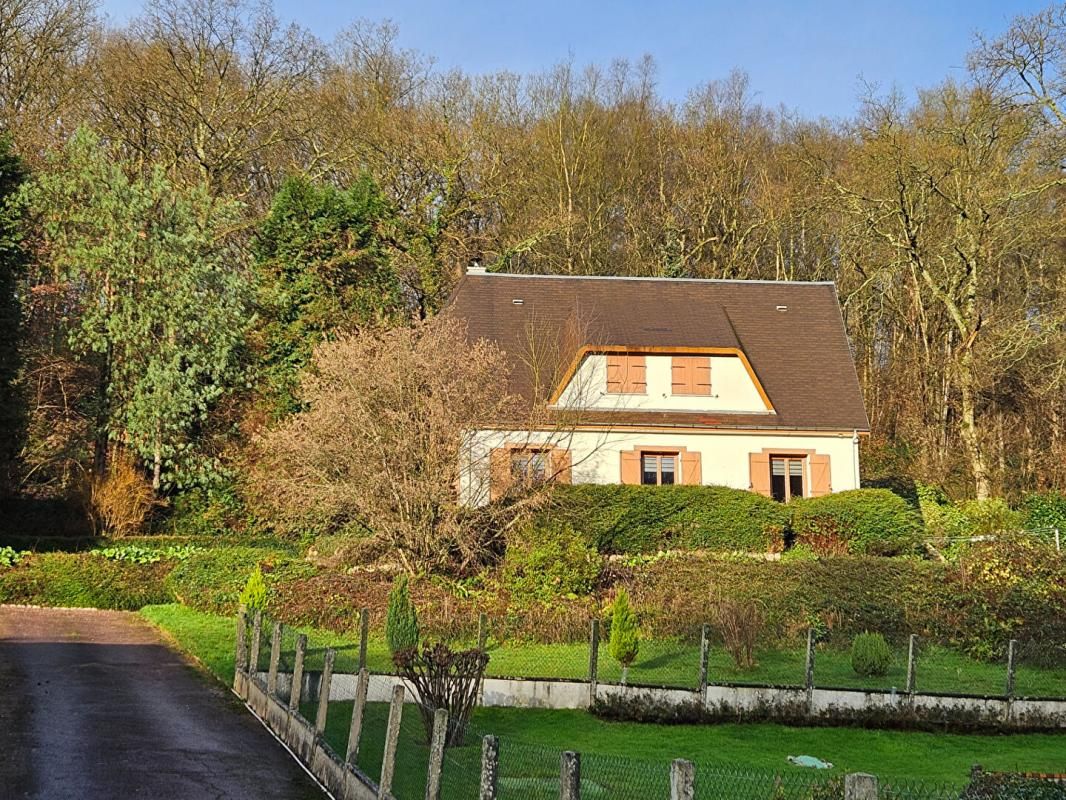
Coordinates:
<point>401,623</point>
<point>625,635</point>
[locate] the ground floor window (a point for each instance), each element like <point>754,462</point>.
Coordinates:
<point>786,477</point>
<point>658,469</point>
<point>529,466</point>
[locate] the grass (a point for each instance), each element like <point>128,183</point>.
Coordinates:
<point>532,738</point>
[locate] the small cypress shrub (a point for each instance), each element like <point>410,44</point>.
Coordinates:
<point>870,655</point>
<point>625,636</point>
<point>254,593</point>
<point>401,621</point>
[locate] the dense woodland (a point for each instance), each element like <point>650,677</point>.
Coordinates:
<point>193,202</point>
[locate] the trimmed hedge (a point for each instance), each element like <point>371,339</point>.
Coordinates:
<point>867,521</point>
<point>646,519</point>
<point>82,580</point>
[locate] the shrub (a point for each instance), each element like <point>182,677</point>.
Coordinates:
<point>82,580</point>
<point>121,501</point>
<point>991,516</point>
<point>625,636</point>
<point>9,556</point>
<point>401,620</point>
<point>644,519</point>
<point>548,563</point>
<point>254,594</point>
<point>739,623</point>
<point>1045,510</point>
<point>1004,786</point>
<point>443,678</point>
<point>870,655</point>
<point>213,579</point>
<point>868,521</point>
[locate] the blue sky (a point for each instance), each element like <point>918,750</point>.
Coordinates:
<point>809,56</point>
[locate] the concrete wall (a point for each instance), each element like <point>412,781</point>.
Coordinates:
<point>841,704</point>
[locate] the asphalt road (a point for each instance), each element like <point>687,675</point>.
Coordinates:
<point>94,706</point>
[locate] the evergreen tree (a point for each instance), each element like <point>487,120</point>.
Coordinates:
<point>625,635</point>
<point>401,622</point>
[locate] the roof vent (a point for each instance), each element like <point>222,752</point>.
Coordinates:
<point>475,269</point>
<point>517,301</point>
<point>782,308</point>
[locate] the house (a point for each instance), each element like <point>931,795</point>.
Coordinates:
<point>749,384</point>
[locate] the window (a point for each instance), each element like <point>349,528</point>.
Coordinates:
<point>690,375</point>
<point>529,466</point>
<point>786,477</point>
<point>626,374</point>
<point>658,469</point>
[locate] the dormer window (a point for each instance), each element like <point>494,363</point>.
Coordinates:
<point>690,375</point>
<point>626,374</point>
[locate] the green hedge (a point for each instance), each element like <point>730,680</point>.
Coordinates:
<point>82,580</point>
<point>868,521</point>
<point>212,580</point>
<point>645,519</point>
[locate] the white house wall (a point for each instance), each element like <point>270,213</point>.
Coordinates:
<point>595,454</point>
<point>731,388</point>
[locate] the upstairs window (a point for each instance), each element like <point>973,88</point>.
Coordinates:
<point>658,469</point>
<point>690,375</point>
<point>626,374</point>
<point>786,477</point>
<point>529,467</point>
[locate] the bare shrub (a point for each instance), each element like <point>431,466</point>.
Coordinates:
<point>740,623</point>
<point>378,446</point>
<point>443,678</point>
<point>121,501</point>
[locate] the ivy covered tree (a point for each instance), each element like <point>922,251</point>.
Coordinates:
<point>12,265</point>
<point>159,300</point>
<point>323,266</point>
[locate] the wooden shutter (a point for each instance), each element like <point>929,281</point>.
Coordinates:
<point>636,381</point>
<point>560,465</point>
<point>821,482</point>
<point>680,375</point>
<point>616,371</point>
<point>759,466</point>
<point>629,471</point>
<point>702,375</point>
<point>691,468</point>
<point>499,472</point>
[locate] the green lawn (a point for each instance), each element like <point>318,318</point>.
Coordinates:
<point>532,738</point>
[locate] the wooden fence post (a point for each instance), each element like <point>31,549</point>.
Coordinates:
<point>392,736</point>
<point>570,776</point>
<point>241,661</point>
<point>323,691</point>
<point>912,655</point>
<point>298,673</point>
<point>436,754</point>
<point>594,658</point>
<point>1012,647</point>
<point>482,630</point>
<point>808,680</point>
<point>364,633</point>
<point>275,659</point>
<point>860,786</point>
<point>358,707</point>
<point>682,780</point>
<point>257,640</point>
<point>490,767</point>
<point>705,652</point>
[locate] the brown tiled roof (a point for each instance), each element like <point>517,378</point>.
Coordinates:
<point>800,354</point>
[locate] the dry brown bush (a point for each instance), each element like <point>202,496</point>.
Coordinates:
<point>739,622</point>
<point>120,502</point>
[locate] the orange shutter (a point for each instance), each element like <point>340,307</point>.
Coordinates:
<point>759,464</point>
<point>560,465</point>
<point>691,469</point>
<point>616,370</point>
<point>630,469</point>
<point>820,476</point>
<point>636,375</point>
<point>702,375</point>
<point>499,472</point>
<point>680,375</point>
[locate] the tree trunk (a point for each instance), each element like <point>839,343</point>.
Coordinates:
<point>968,428</point>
